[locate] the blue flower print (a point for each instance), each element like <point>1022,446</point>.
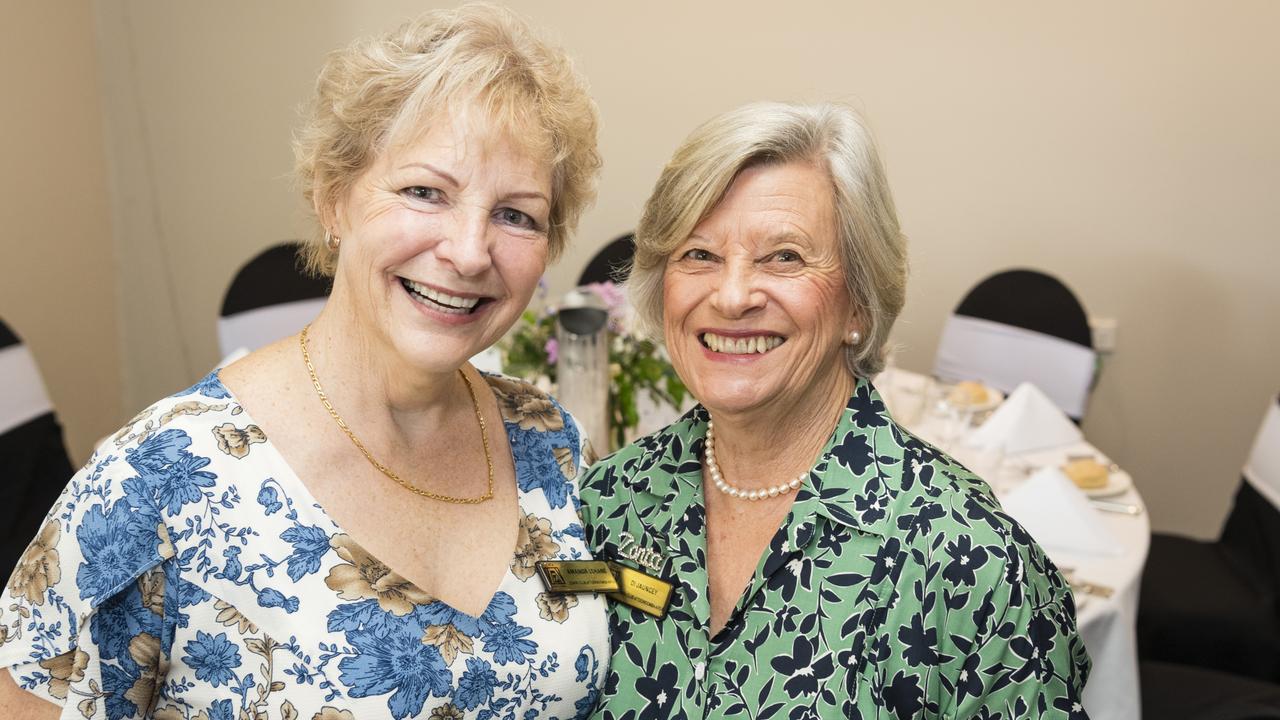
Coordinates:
<point>536,467</point>
<point>268,499</point>
<point>507,643</point>
<point>158,452</point>
<point>213,657</point>
<point>181,483</point>
<point>232,569</point>
<point>221,710</point>
<point>310,544</point>
<point>438,613</point>
<point>120,619</point>
<point>362,615</point>
<point>270,597</point>
<point>116,682</point>
<point>500,611</point>
<point>209,386</point>
<point>397,663</point>
<point>475,688</point>
<point>113,555</point>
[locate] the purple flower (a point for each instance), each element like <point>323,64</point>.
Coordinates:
<point>553,351</point>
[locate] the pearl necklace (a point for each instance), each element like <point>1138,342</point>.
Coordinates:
<point>714,470</point>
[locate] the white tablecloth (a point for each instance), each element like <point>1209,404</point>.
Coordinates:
<point>1106,624</point>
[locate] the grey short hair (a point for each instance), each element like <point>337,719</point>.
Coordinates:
<point>384,87</point>
<point>873,251</point>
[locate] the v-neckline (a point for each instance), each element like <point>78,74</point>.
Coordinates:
<point>298,488</point>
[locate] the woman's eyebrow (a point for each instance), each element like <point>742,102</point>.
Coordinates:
<point>428,166</point>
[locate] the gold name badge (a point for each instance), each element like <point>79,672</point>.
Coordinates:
<point>641,591</point>
<point>576,576</point>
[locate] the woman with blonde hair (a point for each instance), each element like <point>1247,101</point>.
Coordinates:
<point>346,523</point>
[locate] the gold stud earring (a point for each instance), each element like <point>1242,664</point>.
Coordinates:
<point>331,241</point>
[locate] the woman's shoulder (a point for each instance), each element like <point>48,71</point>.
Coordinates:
<point>642,454</point>
<point>112,523</point>
<point>549,448</point>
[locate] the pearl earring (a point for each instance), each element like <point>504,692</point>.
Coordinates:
<point>855,337</point>
<point>331,241</point>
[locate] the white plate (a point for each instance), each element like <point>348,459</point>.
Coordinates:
<point>1117,483</point>
<point>994,398</point>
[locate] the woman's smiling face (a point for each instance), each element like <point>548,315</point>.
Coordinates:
<point>755,305</point>
<point>444,238</point>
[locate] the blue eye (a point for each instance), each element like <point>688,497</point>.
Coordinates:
<point>420,192</point>
<point>514,217</point>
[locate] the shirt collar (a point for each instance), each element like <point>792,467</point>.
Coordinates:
<point>853,483</point>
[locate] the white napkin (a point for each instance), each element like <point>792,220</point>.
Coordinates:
<point>1027,420</point>
<point>1058,515</point>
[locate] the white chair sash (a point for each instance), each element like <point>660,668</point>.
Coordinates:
<point>1262,469</point>
<point>22,393</point>
<point>1004,356</point>
<point>252,329</point>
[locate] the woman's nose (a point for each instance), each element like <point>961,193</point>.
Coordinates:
<point>468,243</point>
<point>737,292</point>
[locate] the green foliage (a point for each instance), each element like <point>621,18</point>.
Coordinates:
<point>636,366</point>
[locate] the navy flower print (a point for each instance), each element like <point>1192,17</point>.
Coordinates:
<point>894,588</point>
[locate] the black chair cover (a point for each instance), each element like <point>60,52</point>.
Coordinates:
<point>34,468</point>
<point>1031,300</point>
<point>1214,604</point>
<point>271,278</point>
<point>1175,692</point>
<point>612,263</point>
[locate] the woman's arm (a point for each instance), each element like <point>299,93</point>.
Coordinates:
<point>19,704</point>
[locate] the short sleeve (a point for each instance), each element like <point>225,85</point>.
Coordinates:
<point>1012,648</point>
<point>82,616</point>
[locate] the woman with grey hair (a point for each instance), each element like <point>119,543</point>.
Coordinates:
<point>347,523</point>
<point>786,549</point>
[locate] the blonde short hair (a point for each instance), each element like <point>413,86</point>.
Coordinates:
<point>380,88</point>
<point>873,251</point>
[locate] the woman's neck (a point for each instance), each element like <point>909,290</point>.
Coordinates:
<point>371,385</point>
<point>773,443</point>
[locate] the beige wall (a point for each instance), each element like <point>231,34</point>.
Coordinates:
<point>57,287</point>
<point>1130,148</point>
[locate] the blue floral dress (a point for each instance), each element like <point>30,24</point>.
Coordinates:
<point>186,572</point>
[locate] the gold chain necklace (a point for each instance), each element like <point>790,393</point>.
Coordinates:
<point>484,436</point>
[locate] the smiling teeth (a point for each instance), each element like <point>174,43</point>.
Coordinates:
<point>742,345</point>
<point>449,303</point>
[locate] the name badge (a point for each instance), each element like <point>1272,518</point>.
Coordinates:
<point>576,576</point>
<point>640,590</point>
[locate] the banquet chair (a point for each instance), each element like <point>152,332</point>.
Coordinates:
<point>1179,692</point>
<point>269,298</point>
<point>612,263</point>
<point>1021,326</point>
<point>1214,604</point>
<point>34,465</point>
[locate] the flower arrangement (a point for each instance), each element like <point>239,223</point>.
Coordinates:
<point>636,364</point>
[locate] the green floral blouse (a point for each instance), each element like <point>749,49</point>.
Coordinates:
<point>895,588</point>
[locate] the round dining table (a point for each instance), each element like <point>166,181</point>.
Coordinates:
<point>1105,583</point>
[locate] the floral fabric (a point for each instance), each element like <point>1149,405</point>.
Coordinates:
<point>187,573</point>
<point>895,588</point>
